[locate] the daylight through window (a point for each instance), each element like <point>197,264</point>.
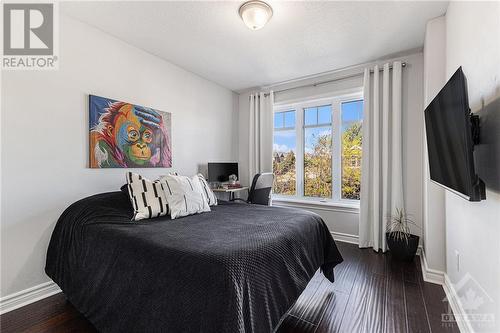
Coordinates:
<point>317,149</point>
<point>284,153</point>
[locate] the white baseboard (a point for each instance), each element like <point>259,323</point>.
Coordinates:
<point>456,305</point>
<point>346,238</point>
<point>438,277</point>
<point>28,296</point>
<point>429,274</point>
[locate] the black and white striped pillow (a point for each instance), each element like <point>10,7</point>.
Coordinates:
<point>211,198</point>
<point>147,197</point>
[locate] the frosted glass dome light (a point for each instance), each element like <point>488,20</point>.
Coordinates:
<point>255,14</point>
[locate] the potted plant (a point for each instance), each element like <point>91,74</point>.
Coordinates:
<point>402,244</point>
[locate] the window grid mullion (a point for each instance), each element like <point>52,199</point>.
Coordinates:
<point>284,129</point>
<point>318,125</point>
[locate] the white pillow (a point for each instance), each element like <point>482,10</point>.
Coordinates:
<point>211,198</point>
<point>147,197</point>
<point>185,195</point>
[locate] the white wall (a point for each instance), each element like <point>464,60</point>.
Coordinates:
<point>341,221</point>
<point>413,128</point>
<point>434,196</point>
<point>45,136</point>
<point>473,229</point>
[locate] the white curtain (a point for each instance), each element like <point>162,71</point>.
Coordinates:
<point>381,168</point>
<point>260,134</point>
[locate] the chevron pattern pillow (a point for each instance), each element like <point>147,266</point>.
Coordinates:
<point>147,197</point>
<point>185,195</point>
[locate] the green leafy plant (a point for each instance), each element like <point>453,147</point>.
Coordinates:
<point>398,225</point>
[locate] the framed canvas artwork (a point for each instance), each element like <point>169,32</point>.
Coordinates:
<point>125,135</point>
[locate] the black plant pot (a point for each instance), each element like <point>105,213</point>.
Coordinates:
<point>400,248</point>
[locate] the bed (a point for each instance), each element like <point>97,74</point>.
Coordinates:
<point>238,268</point>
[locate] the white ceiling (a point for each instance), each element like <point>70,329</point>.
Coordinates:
<point>302,38</point>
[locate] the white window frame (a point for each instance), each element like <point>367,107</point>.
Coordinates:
<point>299,106</point>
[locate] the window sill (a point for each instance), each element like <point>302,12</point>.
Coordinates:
<point>345,207</point>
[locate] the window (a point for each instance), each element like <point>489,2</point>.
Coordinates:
<point>352,115</point>
<point>284,153</point>
<point>317,148</point>
<point>318,151</point>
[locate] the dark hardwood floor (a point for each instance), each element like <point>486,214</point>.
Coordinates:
<point>371,294</point>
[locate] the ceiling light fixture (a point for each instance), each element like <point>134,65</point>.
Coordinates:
<point>255,14</point>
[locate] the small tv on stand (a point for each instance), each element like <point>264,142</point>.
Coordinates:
<point>220,172</point>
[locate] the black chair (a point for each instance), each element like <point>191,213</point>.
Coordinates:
<point>260,191</point>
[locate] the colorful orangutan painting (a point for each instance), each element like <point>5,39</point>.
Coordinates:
<point>124,135</point>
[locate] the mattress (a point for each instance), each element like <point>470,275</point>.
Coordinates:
<point>238,268</point>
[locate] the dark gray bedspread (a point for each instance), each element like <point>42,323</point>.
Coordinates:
<point>235,269</point>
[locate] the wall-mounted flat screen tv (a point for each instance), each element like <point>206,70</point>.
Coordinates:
<point>449,140</point>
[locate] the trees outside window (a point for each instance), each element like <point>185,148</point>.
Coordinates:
<point>284,153</point>
<point>352,116</point>
<point>317,149</point>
